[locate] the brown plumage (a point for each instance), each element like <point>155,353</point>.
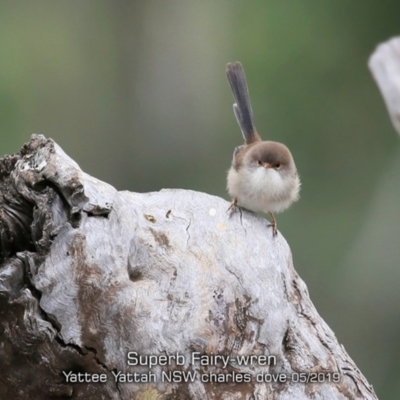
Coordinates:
<point>263,175</point>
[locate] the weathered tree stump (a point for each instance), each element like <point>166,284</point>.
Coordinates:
<point>93,280</point>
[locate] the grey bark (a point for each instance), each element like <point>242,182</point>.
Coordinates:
<point>89,274</point>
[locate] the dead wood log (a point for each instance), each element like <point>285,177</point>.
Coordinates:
<point>384,64</point>
<point>94,281</point>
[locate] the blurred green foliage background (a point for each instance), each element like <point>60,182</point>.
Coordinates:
<point>135,92</point>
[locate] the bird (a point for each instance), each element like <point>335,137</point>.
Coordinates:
<point>263,175</point>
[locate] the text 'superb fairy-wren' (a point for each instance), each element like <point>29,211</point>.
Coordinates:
<point>263,175</point>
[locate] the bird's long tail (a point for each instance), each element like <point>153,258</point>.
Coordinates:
<point>242,106</point>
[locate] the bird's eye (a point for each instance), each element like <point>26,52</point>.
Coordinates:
<point>259,162</point>
<point>278,166</point>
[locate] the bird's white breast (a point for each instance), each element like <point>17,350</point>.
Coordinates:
<point>262,189</point>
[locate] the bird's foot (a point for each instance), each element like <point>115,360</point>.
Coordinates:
<point>273,224</point>
<point>232,208</point>
<point>274,229</point>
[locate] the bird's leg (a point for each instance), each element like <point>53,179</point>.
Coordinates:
<point>273,224</point>
<point>232,207</point>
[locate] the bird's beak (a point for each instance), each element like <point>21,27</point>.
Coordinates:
<point>267,165</point>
